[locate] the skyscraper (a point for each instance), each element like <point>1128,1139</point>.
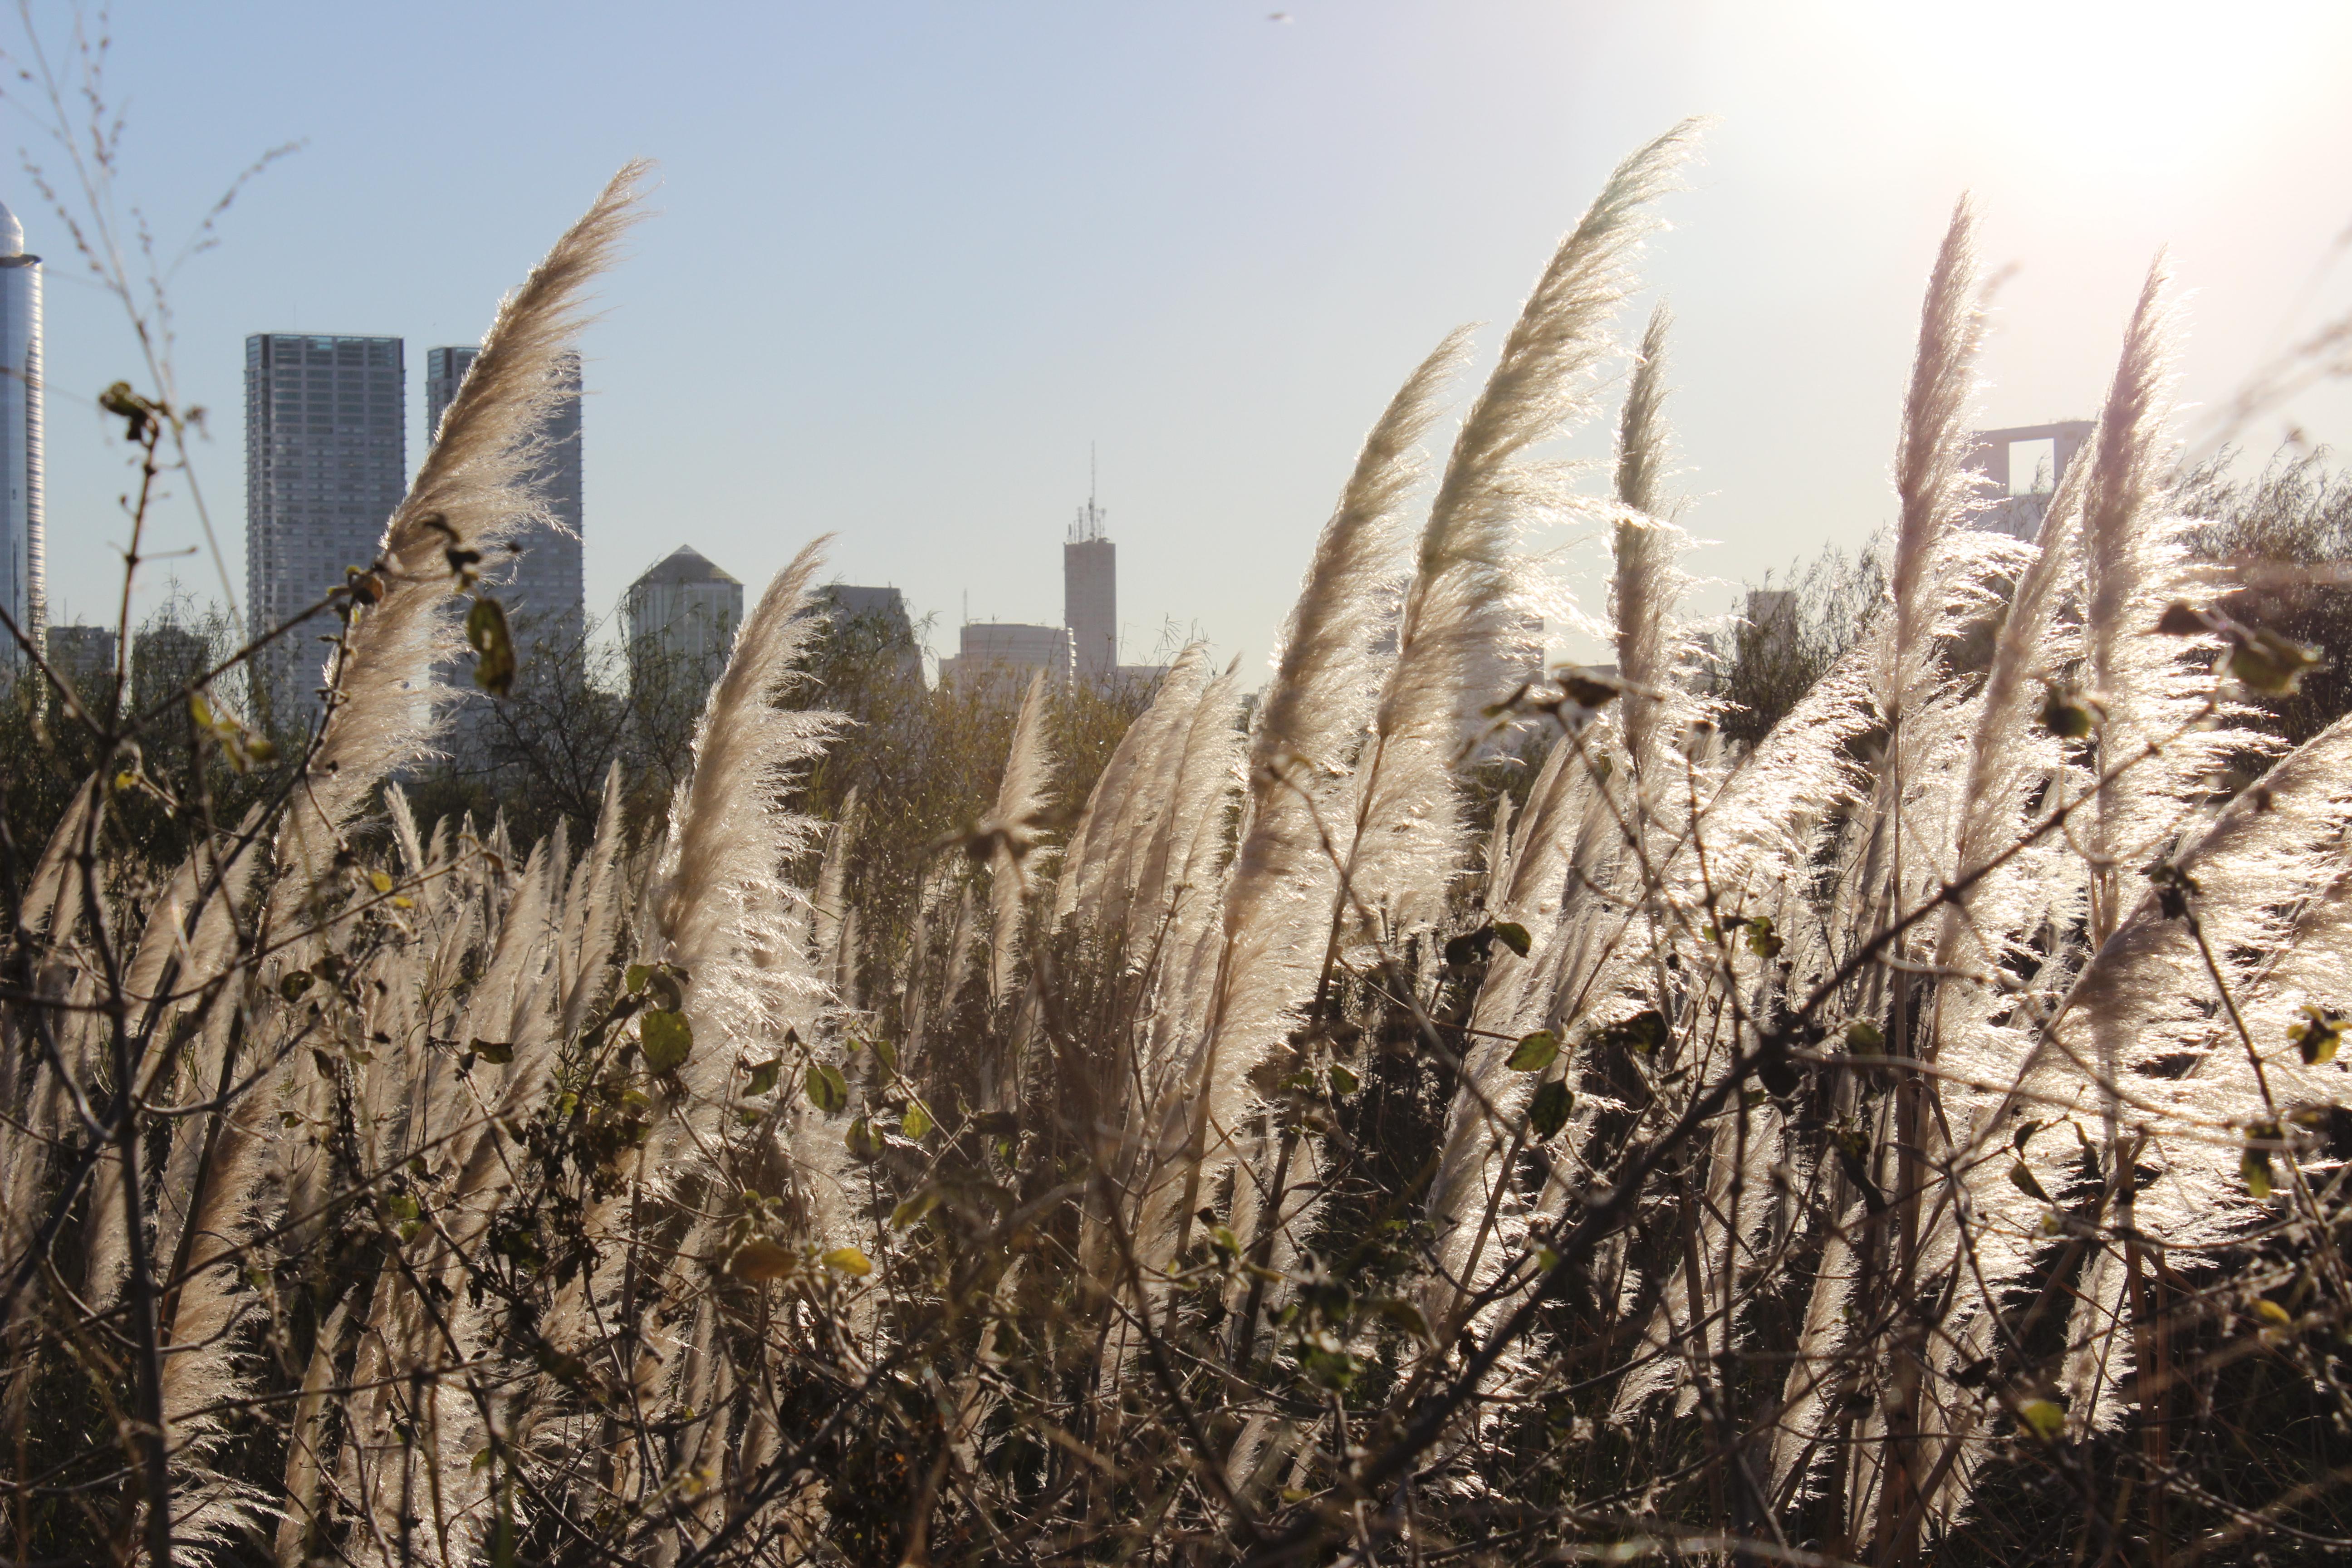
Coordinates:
<point>1090,595</point>
<point>325,463</point>
<point>24,587</point>
<point>545,584</point>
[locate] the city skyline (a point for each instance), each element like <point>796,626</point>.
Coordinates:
<point>1221,282</point>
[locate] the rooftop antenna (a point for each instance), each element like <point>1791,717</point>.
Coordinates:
<point>1088,527</point>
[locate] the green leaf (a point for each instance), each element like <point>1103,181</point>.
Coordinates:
<point>2043,1418</point>
<point>1534,1053</point>
<point>861,1141</point>
<point>666,1039</point>
<point>633,980</point>
<point>827,1090</point>
<point>1644,1032</point>
<point>498,1053</point>
<point>2066,715</point>
<point>294,984</point>
<point>887,1053</point>
<point>1547,1113</point>
<point>1343,1082</point>
<point>2021,1177</point>
<point>849,1261</point>
<point>917,1122</point>
<point>2318,1035</point>
<point>922,1203</point>
<point>2023,1135</point>
<point>1864,1035</point>
<point>764,1075</point>
<point>1403,1313</point>
<point>1513,936</point>
<point>2266,662</point>
<point>493,645</point>
<point>1762,939</point>
<point>2254,1165</point>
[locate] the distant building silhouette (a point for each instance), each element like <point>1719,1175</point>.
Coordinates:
<point>877,618</point>
<point>682,615</point>
<point>325,464</point>
<point>1004,650</point>
<point>1090,596</point>
<point>543,588</point>
<point>2019,500</point>
<point>164,659</point>
<point>24,587</point>
<point>82,656</point>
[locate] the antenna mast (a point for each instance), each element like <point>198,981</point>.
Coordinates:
<point>1088,526</point>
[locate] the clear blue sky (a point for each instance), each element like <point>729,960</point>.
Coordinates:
<point>907,259</point>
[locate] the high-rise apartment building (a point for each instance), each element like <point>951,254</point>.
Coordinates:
<point>325,464</point>
<point>23,582</point>
<point>545,582</point>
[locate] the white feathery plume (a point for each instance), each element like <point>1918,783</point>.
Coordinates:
<point>1203,771</point>
<point>306,1440</point>
<point>731,835</point>
<point>473,492</point>
<point>826,908</point>
<point>1645,584</point>
<point>1461,625</point>
<point>1301,756</point>
<point>589,942</point>
<point>1011,831</point>
<point>1930,460</point>
<point>1090,845</point>
<point>1466,1207</point>
<point>51,902</point>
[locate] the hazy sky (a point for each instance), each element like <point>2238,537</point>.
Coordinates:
<point>908,259</point>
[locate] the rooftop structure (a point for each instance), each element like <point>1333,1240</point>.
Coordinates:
<point>2020,466</point>
<point>325,464</point>
<point>23,573</point>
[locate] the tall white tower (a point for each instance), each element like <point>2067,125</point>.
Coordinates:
<point>24,577</point>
